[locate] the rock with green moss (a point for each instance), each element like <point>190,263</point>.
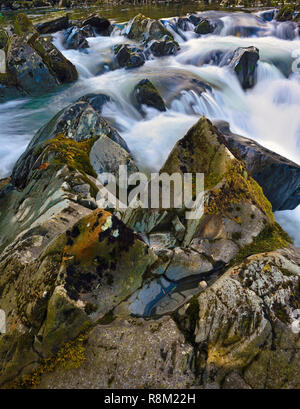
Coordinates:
<point>80,125</point>
<point>127,56</point>
<point>204,27</point>
<point>34,64</point>
<point>143,29</point>
<point>145,93</point>
<point>268,169</point>
<point>53,25</point>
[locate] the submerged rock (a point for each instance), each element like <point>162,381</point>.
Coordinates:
<point>278,176</point>
<point>244,63</point>
<point>145,93</point>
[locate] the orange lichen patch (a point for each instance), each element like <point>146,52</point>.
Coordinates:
<point>44,166</point>
<point>83,239</point>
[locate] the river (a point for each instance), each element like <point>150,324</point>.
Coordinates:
<point>268,113</point>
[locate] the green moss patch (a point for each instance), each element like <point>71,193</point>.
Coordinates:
<point>273,237</point>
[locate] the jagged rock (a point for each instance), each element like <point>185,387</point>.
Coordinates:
<point>244,63</point>
<point>28,68</point>
<point>78,122</point>
<point>34,65</point>
<point>101,25</point>
<point>52,26</point>
<point>161,48</point>
<point>278,176</point>
<point>129,56</point>
<point>145,93</point>
<point>75,38</point>
<point>204,27</point>
<point>107,155</point>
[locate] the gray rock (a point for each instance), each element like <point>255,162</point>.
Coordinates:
<point>145,93</point>
<point>279,177</point>
<point>128,56</point>
<point>244,63</point>
<point>52,26</point>
<point>28,68</point>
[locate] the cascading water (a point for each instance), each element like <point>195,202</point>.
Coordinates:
<point>195,82</point>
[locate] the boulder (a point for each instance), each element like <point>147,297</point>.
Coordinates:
<point>54,25</point>
<point>204,27</point>
<point>127,56</point>
<point>143,29</point>
<point>278,176</point>
<point>101,25</point>
<point>161,48</point>
<point>145,93</point>
<point>34,65</point>
<point>78,122</point>
<point>28,68</point>
<point>244,63</point>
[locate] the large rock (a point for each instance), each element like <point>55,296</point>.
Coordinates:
<point>160,48</point>
<point>52,26</point>
<point>204,27</point>
<point>145,93</point>
<point>152,34</point>
<point>78,122</point>
<point>243,324</point>
<point>237,222</point>
<point>33,64</point>
<point>244,63</point>
<point>28,68</point>
<point>101,25</point>
<point>278,176</point>
<point>128,56</point>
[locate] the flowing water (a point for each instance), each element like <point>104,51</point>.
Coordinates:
<point>268,113</point>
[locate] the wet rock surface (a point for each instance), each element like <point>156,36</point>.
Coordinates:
<point>33,64</point>
<point>244,63</point>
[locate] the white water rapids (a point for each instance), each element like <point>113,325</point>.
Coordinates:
<point>268,113</point>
